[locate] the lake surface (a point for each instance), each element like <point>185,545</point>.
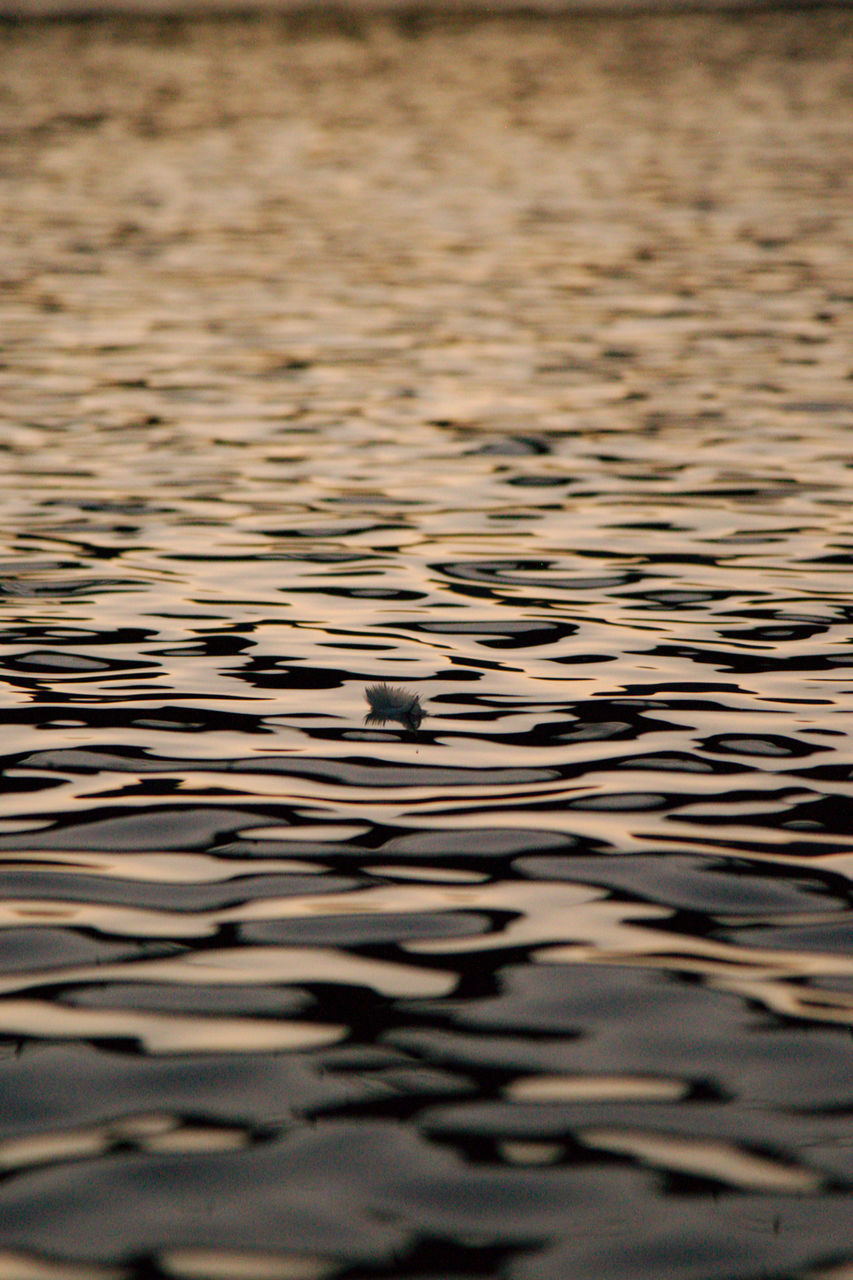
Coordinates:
<point>508,362</point>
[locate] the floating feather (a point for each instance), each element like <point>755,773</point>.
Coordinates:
<point>390,703</point>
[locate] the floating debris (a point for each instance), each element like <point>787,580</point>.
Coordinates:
<point>390,703</point>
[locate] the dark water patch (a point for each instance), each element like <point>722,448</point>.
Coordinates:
<point>45,947</point>
<point>361,931</point>
<point>503,575</point>
<point>741,661</point>
<point>770,634</point>
<point>351,773</point>
<point>505,634</point>
<point>770,745</point>
<point>491,843</point>
<point>183,827</point>
<point>41,584</point>
<point>144,885</point>
<point>704,885</point>
<point>271,1002</point>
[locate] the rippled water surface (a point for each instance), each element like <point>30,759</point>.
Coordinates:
<point>509,363</point>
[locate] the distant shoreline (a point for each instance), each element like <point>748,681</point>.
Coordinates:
<point>26,10</point>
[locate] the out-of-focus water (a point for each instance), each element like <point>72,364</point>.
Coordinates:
<point>496,364</point>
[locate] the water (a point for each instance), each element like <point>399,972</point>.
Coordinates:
<point>508,363</point>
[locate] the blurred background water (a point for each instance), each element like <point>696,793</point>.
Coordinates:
<point>508,361</point>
